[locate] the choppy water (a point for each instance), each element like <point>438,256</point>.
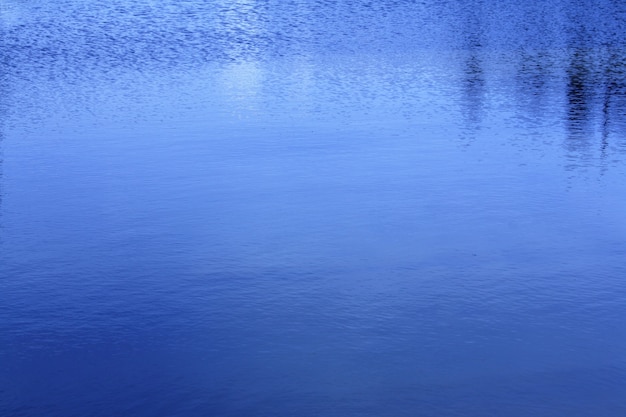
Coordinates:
<point>312,208</point>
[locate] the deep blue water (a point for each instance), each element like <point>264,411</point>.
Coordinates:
<point>312,208</point>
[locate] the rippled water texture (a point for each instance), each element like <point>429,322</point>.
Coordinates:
<point>312,208</point>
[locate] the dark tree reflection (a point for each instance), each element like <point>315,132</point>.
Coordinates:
<point>613,99</point>
<point>596,81</point>
<point>596,102</point>
<point>580,97</point>
<point>473,86</point>
<point>473,89</point>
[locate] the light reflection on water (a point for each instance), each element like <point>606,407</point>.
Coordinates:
<point>312,208</point>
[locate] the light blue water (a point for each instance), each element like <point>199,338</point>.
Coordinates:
<point>312,208</point>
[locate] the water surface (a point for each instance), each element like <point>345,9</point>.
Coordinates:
<point>312,208</point>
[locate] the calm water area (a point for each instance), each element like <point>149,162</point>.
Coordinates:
<point>312,208</point>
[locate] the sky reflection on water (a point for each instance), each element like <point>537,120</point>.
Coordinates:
<point>312,208</point>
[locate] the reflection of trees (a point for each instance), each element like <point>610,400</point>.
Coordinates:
<point>596,100</point>
<point>584,85</point>
<point>579,101</point>
<point>613,98</point>
<point>473,88</point>
<point>596,81</point>
<point>473,77</point>
<point>570,72</point>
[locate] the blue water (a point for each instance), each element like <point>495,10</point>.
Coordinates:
<point>312,208</point>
